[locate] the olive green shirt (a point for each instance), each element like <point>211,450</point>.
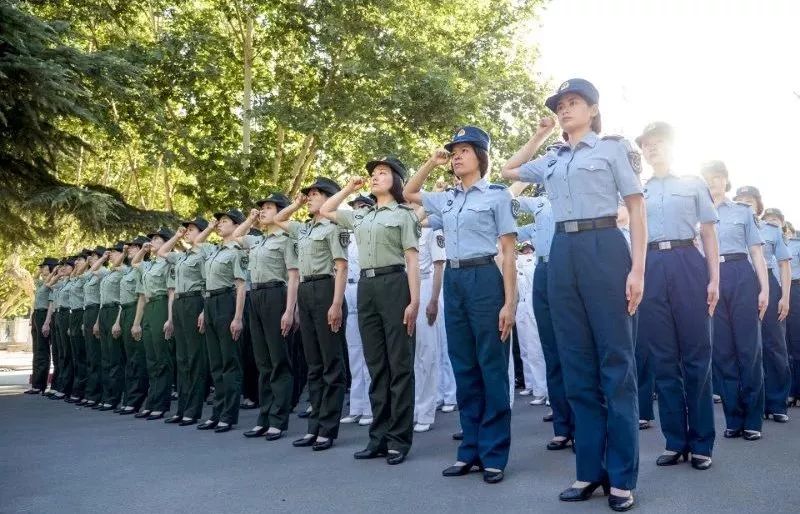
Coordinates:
<point>91,288</point>
<point>319,244</point>
<point>109,286</point>
<point>56,297</point>
<point>270,257</point>
<point>155,278</point>
<point>130,283</point>
<point>41,296</point>
<point>187,267</point>
<point>226,264</point>
<point>382,233</point>
<point>76,291</point>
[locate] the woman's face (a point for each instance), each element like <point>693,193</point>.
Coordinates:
<point>657,151</point>
<point>155,244</point>
<point>382,180</point>
<point>267,213</point>
<point>749,200</point>
<point>80,263</point>
<point>43,270</point>
<point>191,233</point>
<point>774,220</point>
<point>575,113</point>
<point>116,258</point>
<point>133,250</point>
<point>315,200</point>
<point>716,183</point>
<point>225,227</point>
<point>464,160</point>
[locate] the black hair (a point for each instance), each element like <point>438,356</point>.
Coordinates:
<point>397,188</point>
<point>483,160</point>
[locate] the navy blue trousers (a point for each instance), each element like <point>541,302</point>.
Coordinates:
<point>793,338</point>
<point>674,321</point>
<point>645,374</point>
<point>563,419</point>
<point>594,333</point>
<point>473,298</point>
<point>777,380</point>
<point>738,367</point>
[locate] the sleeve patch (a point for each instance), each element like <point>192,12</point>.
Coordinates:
<point>515,208</point>
<point>440,241</point>
<point>344,239</point>
<point>636,161</point>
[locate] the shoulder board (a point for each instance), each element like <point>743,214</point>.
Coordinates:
<point>404,206</point>
<point>612,137</point>
<point>448,189</point>
<point>555,146</point>
<point>236,246</point>
<point>497,186</point>
<point>743,204</point>
<point>771,224</point>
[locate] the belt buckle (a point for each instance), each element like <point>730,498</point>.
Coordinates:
<point>571,226</point>
<point>721,258</point>
<point>206,294</point>
<point>664,245</point>
<point>455,263</point>
<point>370,273</point>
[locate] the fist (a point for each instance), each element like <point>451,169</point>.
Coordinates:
<point>547,124</point>
<point>356,182</point>
<point>300,199</point>
<point>147,246</point>
<point>440,157</point>
<point>213,223</point>
<point>254,213</point>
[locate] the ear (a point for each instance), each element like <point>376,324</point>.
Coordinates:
<point>594,110</point>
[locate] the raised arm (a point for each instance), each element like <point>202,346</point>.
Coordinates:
<point>511,167</point>
<point>412,190</point>
<point>137,259</point>
<point>282,218</point>
<point>170,244</point>
<point>330,206</point>
<point>244,228</point>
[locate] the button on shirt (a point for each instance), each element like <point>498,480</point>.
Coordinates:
<point>675,206</point>
<point>586,181</point>
<point>431,249</point>
<point>319,244</point>
<point>737,230</point>
<point>472,219</point>
<point>543,221</point>
<point>225,266</point>
<point>188,267</point>
<point>42,295</point>
<point>271,256</point>
<point>775,248</point>
<point>76,291</point>
<point>91,288</point>
<point>794,250</point>
<point>155,278</point>
<point>131,283</point>
<point>109,286</point>
<point>382,233</point>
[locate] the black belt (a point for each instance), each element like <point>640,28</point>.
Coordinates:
<point>188,294</point>
<point>730,257</point>
<point>469,263</point>
<point>155,297</point>
<point>312,278</point>
<point>91,305</point>
<point>76,310</point>
<point>267,285</point>
<point>40,309</point>
<point>669,245</point>
<point>217,292</point>
<point>110,304</point>
<point>385,270</point>
<point>796,281</point>
<point>129,304</point>
<point>63,309</point>
<point>583,225</point>
<point>543,260</point>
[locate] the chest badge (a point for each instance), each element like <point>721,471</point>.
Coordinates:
<point>552,163</point>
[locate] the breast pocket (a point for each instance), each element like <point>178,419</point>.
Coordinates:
<point>479,218</point>
<point>683,202</point>
<point>388,233</point>
<point>593,176</point>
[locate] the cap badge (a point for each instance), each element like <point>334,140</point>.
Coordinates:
<point>461,132</point>
<point>564,86</point>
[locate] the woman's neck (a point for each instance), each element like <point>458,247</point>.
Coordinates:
<point>227,239</point>
<point>383,199</point>
<point>661,169</point>
<point>469,180</point>
<point>718,198</point>
<point>578,135</point>
<point>271,228</point>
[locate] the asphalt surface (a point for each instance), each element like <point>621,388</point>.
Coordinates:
<point>58,458</point>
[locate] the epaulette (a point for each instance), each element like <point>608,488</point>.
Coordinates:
<point>772,224</point>
<point>497,186</point>
<point>555,146</point>
<point>742,204</point>
<point>404,206</point>
<point>612,137</point>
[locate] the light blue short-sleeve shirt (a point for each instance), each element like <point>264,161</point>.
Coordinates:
<point>544,223</point>
<point>794,250</point>
<point>737,230</point>
<point>775,248</point>
<point>675,206</point>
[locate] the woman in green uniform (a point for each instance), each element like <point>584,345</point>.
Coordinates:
<point>76,339</point>
<point>62,374</point>
<point>112,359</point>
<point>273,297</point>
<point>322,262</point>
<point>41,341</point>
<point>190,345</point>
<point>387,235</point>
<point>151,322</point>
<point>136,381</point>
<point>225,272</point>
<point>91,310</point>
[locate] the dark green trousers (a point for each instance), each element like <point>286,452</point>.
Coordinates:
<point>191,356</point>
<point>223,357</point>
<point>136,380</point>
<point>78,348</point>
<point>157,353</point>
<point>94,381</point>
<point>324,356</point>
<point>271,351</point>
<point>389,354</point>
<point>112,370</point>
<point>65,370</point>
<point>41,351</point>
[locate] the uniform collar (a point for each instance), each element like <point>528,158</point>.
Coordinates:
<point>313,223</point>
<point>480,185</point>
<point>277,233</point>
<point>670,174</point>
<point>590,140</point>
<point>229,244</point>
<point>389,206</point>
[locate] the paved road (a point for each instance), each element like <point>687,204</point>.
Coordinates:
<point>57,458</point>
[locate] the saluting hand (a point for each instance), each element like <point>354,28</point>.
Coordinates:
<point>335,318</point>
<point>213,223</point>
<point>505,322</point>
<point>634,290</point>
<point>763,303</point>
<point>147,246</point>
<point>410,318</point>
<point>439,157</point>
<point>783,309</point>
<point>254,214</point>
<point>300,199</point>
<point>236,329</point>
<point>181,232</point>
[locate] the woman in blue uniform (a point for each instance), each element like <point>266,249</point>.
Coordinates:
<point>680,295</point>
<point>594,286</point>
<point>742,302</point>
<point>479,302</point>
<point>793,321</point>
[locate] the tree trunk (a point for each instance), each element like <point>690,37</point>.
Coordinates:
<point>278,160</point>
<point>247,100</point>
<point>167,184</point>
<point>298,168</point>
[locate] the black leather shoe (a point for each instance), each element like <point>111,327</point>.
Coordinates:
<point>460,471</point>
<point>117,410</point>
<point>143,414</point>
<point>559,445</point>
<point>751,435</point>
<point>458,436</point>
<point>395,458</point>
<point>207,425</point>
<point>732,434</point>
<point>644,425</point>
<point>304,442</point>
<point>83,402</point>
<point>548,418</point>
<point>780,418</point>
<point>152,417</point>
<point>369,453</point>
<point>106,408</point>
<point>255,433</point>
<point>33,391</point>
<point>173,419</point>
<point>97,406</point>
<point>325,445</point>
<point>701,464</point>
<point>581,494</point>
<point>126,412</point>
<point>493,477</point>
<point>72,400</point>
<point>275,436</point>
<point>621,503</point>
<point>187,422</point>
<point>222,429</point>
<point>671,460</point>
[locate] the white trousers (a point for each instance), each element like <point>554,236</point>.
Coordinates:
<point>360,381</point>
<point>447,380</point>
<point>426,359</point>
<point>530,349</point>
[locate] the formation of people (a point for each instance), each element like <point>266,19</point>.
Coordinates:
<point>619,292</point>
